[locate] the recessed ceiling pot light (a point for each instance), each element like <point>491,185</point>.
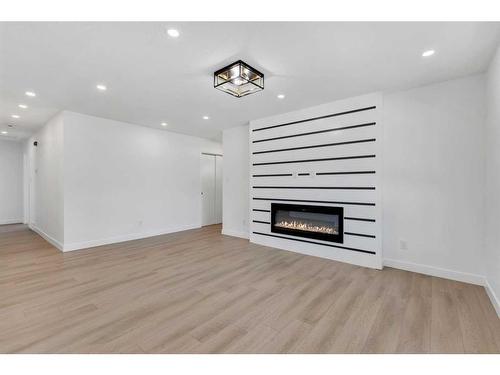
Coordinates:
<point>173,33</point>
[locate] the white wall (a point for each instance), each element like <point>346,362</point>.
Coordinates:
<point>124,181</point>
<point>11,182</point>
<point>433,178</point>
<point>492,188</point>
<point>235,212</point>
<point>47,161</point>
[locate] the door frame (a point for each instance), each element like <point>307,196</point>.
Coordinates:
<point>201,187</point>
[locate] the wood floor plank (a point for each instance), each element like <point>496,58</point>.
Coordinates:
<point>288,340</point>
<point>476,333</point>
<point>201,292</point>
<point>389,320</point>
<point>415,332</point>
<point>446,334</point>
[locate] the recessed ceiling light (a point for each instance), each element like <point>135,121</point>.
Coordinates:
<point>101,87</point>
<point>173,33</point>
<point>4,132</point>
<point>23,106</point>
<point>206,118</point>
<point>428,53</point>
<point>14,116</point>
<point>164,124</point>
<point>281,96</point>
<point>30,93</point>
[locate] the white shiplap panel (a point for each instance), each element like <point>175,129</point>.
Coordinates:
<point>262,216</point>
<point>345,165</point>
<point>344,151</point>
<point>259,205</point>
<point>359,227</point>
<point>363,212</point>
<point>361,196</point>
<point>313,180</point>
<point>350,120</point>
<point>349,135</point>
<point>359,242</point>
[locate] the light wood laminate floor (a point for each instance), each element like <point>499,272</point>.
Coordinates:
<point>200,292</point>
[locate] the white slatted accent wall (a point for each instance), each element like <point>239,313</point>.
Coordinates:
<point>334,146</point>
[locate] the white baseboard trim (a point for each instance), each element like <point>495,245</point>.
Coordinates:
<point>11,221</point>
<point>436,271</point>
<point>234,233</point>
<point>493,297</point>
<point>48,238</point>
<point>128,237</point>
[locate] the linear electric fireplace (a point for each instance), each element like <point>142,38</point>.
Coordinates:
<point>319,222</point>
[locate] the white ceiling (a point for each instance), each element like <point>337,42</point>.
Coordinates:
<point>153,78</point>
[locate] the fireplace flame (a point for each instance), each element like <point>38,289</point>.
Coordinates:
<point>307,227</point>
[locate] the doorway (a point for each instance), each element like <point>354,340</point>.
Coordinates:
<point>211,189</point>
<point>29,182</point>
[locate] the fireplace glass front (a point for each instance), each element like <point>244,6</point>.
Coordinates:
<point>319,222</point>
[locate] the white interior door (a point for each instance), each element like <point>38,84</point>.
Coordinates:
<point>32,174</point>
<point>218,189</point>
<point>207,189</point>
<point>26,189</point>
<point>211,189</point>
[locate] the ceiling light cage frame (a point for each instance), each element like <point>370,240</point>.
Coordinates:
<point>239,79</point>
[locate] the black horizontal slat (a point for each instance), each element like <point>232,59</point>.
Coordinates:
<point>346,172</point>
<point>261,222</point>
<point>304,200</point>
<point>273,175</point>
<point>314,160</point>
<point>317,187</point>
<point>345,217</point>
<point>359,234</point>
<point>316,132</point>
<point>317,174</point>
<point>315,146</point>
<point>316,243</point>
<point>316,118</point>
<point>359,219</point>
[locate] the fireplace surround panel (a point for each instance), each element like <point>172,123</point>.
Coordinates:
<point>317,161</point>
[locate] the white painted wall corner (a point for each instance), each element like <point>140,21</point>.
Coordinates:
<point>493,297</point>
<point>48,238</point>
<point>235,233</point>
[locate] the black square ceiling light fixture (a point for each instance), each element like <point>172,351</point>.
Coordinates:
<point>239,79</point>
